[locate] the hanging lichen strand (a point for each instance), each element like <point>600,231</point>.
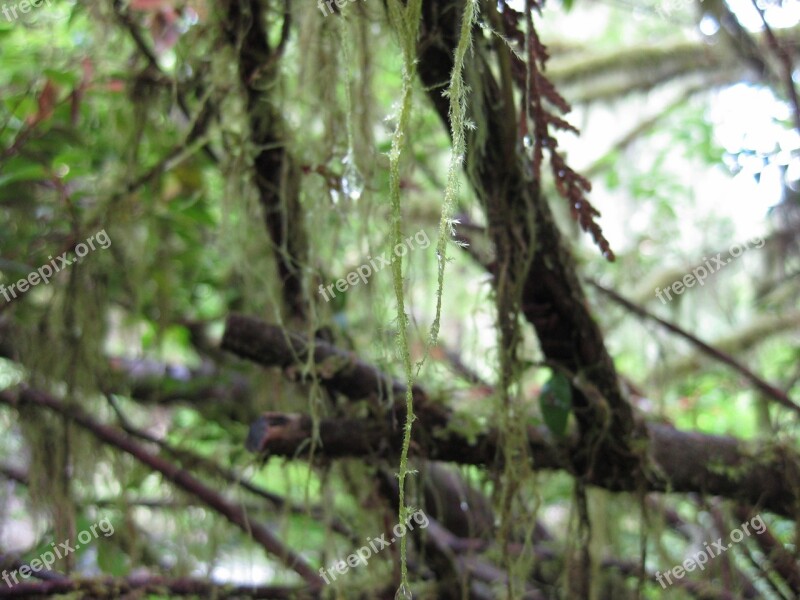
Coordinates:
<point>457,93</point>
<point>405,20</point>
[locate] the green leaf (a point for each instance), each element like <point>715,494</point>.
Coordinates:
<point>18,171</point>
<point>63,78</point>
<point>555,402</point>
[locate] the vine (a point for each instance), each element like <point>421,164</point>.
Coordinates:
<point>406,22</point>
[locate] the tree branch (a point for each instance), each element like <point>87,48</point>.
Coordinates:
<point>275,171</point>
<point>679,461</point>
<point>233,512</point>
<point>531,253</point>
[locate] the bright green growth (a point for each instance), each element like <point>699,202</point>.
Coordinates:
<point>555,402</point>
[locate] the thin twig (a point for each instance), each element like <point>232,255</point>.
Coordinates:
<point>129,24</point>
<point>786,62</point>
<point>190,458</point>
<point>767,388</point>
<point>178,476</point>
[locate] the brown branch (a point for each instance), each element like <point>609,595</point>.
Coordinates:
<point>191,460</point>
<point>21,477</point>
<point>337,370</point>
<point>682,461</point>
<point>182,479</point>
<point>779,557</point>
<point>271,345</point>
<point>534,268</point>
<point>767,388</point>
<point>14,474</point>
<point>786,64</point>
<point>151,174</point>
<point>151,381</point>
<point>276,173</point>
<point>9,562</point>
<point>203,118</point>
<point>685,461</point>
<point>467,565</point>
